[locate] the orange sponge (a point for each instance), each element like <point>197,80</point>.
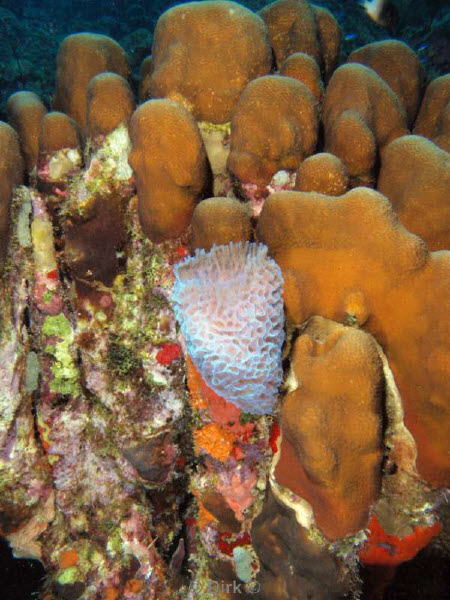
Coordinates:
<point>399,66</point>
<point>25,113</point>
<point>348,258</point>
<point>11,174</point>
<point>415,176</point>
<point>204,53</point>
<point>80,57</point>
<point>170,167</point>
<point>109,103</point>
<point>274,127</point>
<point>361,115</point>
<point>332,444</point>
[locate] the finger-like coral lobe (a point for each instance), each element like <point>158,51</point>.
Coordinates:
<point>169,163</point>
<point>229,306</point>
<point>332,425</point>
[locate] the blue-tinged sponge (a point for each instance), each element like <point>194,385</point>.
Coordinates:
<point>229,305</point>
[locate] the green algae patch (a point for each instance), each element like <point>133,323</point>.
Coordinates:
<point>65,373</point>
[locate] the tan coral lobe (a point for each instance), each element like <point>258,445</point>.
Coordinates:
<point>332,444</point>
<point>170,166</point>
<point>274,127</point>
<point>25,113</point>
<point>81,56</point>
<point>203,55</point>
<point>109,103</point>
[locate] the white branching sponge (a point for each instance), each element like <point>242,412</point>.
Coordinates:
<point>229,305</point>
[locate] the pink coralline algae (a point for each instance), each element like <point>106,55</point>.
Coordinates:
<point>229,305</point>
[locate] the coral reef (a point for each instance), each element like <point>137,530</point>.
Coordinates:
<point>224,358</point>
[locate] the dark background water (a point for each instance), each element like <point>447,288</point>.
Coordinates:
<point>30,33</point>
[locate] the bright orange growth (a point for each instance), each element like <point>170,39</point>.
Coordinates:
<point>274,127</point>
<point>381,548</point>
<point>214,440</point>
<point>204,517</point>
<point>332,443</point>
<point>110,594</point>
<point>348,258</point>
<point>25,113</point>
<point>133,586</point>
<point>81,56</point>
<point>68,558</point>
<point>170,167</point>
<point>203,55</point>
<point>109,103</point>
<point>361,115</point>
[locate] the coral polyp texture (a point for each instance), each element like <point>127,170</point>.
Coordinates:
<point>224,314</point>
<point>229,305</point>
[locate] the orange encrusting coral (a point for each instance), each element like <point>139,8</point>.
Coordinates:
<point>348,258</point>
<point>81,56</point>
<point>381,548</point>
<point>169,162</point>
<point>203,55</point>
<point>331,419</point>
<point>214,440</point>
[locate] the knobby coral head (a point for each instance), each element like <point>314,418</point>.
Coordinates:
<point>229,305</point>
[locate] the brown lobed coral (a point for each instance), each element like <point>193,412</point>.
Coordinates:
<point>203,55</point>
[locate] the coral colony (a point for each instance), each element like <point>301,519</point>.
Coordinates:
<point>224,338</point>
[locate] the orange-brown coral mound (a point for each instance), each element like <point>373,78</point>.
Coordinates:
<point>11,174</point>
<point>349,258</point>
<point>219,221</point>
<point>415,176</point>
<point>433,120</point>
<point>109,103</point>
<point>58,131</point>
<point>399,66</point>
<point>331,421</point>
<point>170,167</point>
<point>361,115</point>
<point>323,173</point>
<point>303,67</point>
<point>25,113</point>
<point>273,127</point>
<point>81,56</point>
<point>204,53</point>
